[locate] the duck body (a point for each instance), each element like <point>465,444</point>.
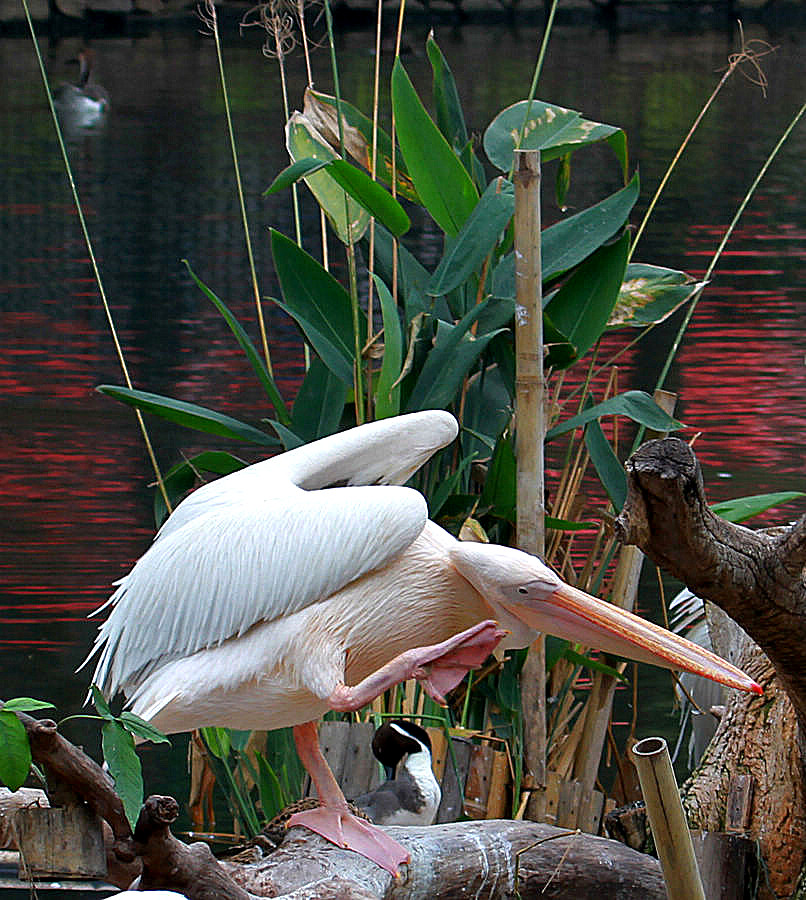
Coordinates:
<point>411,794</point>
<point>85,103</point>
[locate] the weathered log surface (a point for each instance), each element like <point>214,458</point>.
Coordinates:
<point>757,578</point>
<point>489,859</point>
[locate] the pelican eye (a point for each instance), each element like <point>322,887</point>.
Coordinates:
<point>523,590</point>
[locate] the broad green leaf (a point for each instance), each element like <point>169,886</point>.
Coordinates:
<point>99,701</point>
<point>476,239</point>
<point>499,492</point>
<point>217,741</point>
<point>605,461</point>
<point>319,404</point>
<point>636,405</point>
<point>568,242</point>
<point>272,798</point>
<point>189,414</point>
<point>142,729</point>
<point>387,392</point>
<point>649,294</point>
<point>448,488</point>
<point>588,662</point>
<point>412,276</point>
<point>450,118</point>
<point>553,130</point>
<point>453,355</point>
<point>375,199</point>
<point>124,767</point>
<point>357,130</point>
<point>319,305</point>
<point>348,218</point>
<point>743,508</point>
<point>581,307</point>
<point>292,174</point>
<point>442,182</point>
<point>180,478</point>
<point>568,525</point>
<point>15,751</point>
<point>290,440</point>
<point>255,359</point>
<point>26,704</point>
<point>239,738</point>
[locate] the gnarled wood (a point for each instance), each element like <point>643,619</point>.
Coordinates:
<point>757,579</point>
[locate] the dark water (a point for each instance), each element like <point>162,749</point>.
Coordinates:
<point>157,186</point>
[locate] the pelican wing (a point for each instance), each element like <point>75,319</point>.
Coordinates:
<point>251,561</point>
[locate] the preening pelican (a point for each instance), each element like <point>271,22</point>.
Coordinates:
<point>314,581</point>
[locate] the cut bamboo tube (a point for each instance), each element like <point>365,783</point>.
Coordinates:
<point>667,819</point>
<point>529,416</point>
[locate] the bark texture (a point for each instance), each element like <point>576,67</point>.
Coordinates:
<point>757,579</point>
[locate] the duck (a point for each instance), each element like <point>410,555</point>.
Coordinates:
<point>411,793</point>
<point>85,103</point>
<point>314,580</point>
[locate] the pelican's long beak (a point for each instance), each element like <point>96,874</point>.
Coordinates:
<point>572,614</point>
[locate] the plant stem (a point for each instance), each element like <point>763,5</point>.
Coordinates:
<point>213,20</point>
<point>93,262</point>
<point>358,370</point>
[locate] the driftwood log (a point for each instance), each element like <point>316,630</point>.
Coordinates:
<point>490,859</point>
<point>757,578</point>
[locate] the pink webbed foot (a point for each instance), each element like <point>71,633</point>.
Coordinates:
<point>441,667</point>
<point>342,828</point>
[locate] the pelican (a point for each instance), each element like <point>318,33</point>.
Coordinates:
<point>314,581</point>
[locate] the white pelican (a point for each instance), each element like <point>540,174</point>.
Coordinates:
<point>311,581</point>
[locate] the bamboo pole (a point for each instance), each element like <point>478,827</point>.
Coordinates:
<point>529,417</point>
<point>667,820</point>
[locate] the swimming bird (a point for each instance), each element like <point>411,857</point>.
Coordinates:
<point>411,793</point>
<point>313,581</point>
<point>85,103</point>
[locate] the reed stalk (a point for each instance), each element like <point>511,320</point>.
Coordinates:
<point>210,18</point>
<point>93,261</point>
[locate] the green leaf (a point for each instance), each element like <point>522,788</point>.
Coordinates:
<point>442,182</point>
<point>476,239</point>
<point>636,405</point>
<point>100,704</point>
<point>567,525</point>
<point>290,440</point>
<point>142,729</point>
<point>605,461</point>
<point>499,492</point>
<point>411,274</point>
<point>450,118</point>
<point>453,355</point>
<point>387,396</point>
<point>319,305</point>
<point>255,359</point>
<point>563,180</point>
<point>743,508</point>
<point>272,798</point>
<point>582,306</point>
<point>15,751</point>
<point>292,174</point>
<point>348,218</point>
<point>180,478</point>
<point>587,662</point>
<point>553,130</point>
<point>217,741</point>
<point>319,404</point>
<point>650,294</point>
<point>375,199</point>
<point>189,414</point>
<point>26,704</point>
<point>568,242</point>
<point>357,130</point>
<point>124,767</point>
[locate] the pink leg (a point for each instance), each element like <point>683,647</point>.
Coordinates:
<point>438,667</point>
<point>332,819</point>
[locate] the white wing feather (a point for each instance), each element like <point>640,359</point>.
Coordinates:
<point>254,546</point>
<point>224,571</point>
